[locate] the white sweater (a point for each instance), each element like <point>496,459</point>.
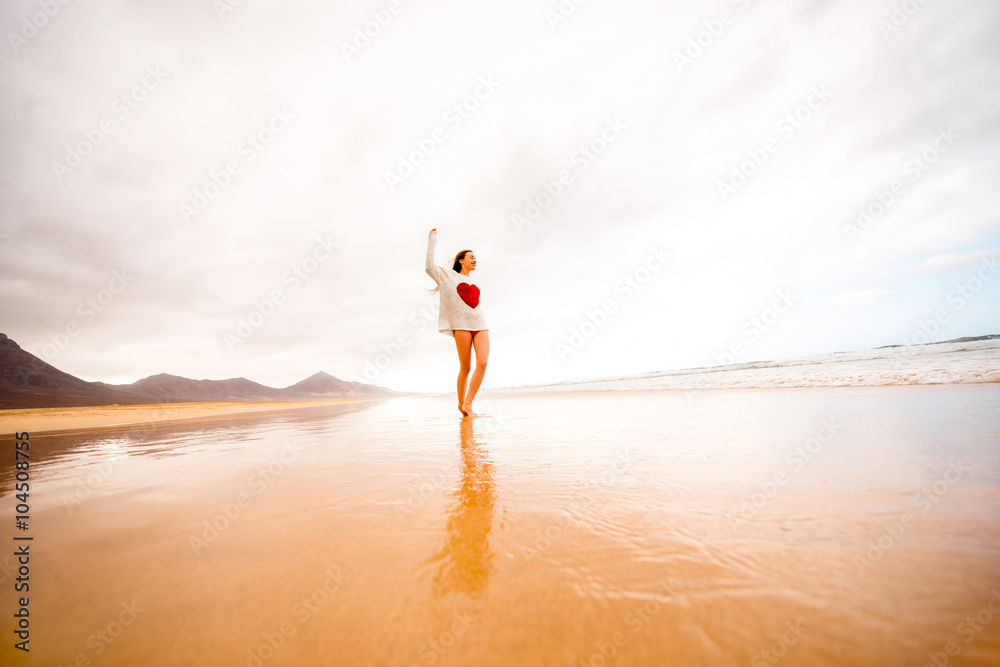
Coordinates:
<point>460,308</point>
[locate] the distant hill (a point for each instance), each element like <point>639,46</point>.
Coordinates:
<point>964,339</point>
<point>28,382</point>
<point>176,388</point>
<point>324,384</point>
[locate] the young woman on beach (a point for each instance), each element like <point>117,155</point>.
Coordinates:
<point>460,316</point>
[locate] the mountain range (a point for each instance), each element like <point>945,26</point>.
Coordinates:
<point>29,382</point>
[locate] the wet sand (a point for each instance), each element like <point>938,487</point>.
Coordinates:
<point>62,419</point>
<point>830,526</point>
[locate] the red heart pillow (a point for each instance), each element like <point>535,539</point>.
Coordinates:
<point>469,294</point>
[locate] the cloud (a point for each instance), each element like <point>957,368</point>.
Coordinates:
<point>951,260</point>
<point>749,85</point>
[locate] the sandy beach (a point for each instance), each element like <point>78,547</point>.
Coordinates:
<point>824,526</point>
<point>62,419</point>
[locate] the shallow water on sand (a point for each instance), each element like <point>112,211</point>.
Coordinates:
<point>796,526</point>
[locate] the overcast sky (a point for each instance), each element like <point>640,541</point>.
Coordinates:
<point>170,169</point>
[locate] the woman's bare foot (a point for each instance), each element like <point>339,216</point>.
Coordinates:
<point>464,410</point>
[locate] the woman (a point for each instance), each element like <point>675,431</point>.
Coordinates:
<point>461,317</point>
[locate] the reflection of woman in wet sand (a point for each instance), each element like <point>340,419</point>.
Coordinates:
<point>460,316</point>
<point>465,558</point>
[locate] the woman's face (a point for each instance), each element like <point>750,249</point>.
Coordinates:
<point>468,262</point>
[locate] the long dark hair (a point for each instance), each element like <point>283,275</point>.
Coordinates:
<point>456,266</point>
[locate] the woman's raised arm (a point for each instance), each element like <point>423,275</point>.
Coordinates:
<point>430,267</point>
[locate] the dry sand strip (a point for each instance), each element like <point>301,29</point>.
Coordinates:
<point>36,420</point>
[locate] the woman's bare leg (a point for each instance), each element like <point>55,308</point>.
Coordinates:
<point>481,341</point>
<point>463,342</point>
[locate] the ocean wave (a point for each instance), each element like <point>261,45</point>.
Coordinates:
<point>962,361</point>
